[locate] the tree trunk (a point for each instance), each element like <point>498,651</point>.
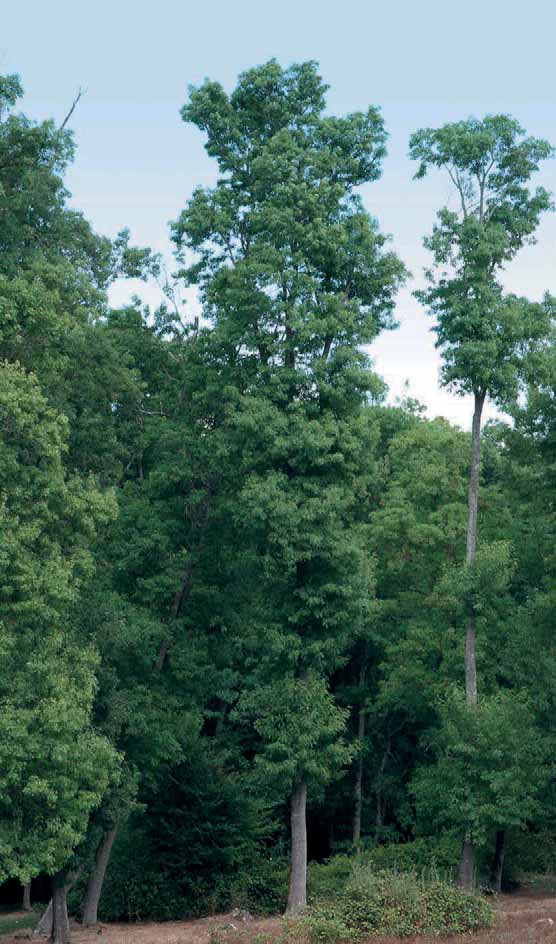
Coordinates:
<point>498,861</point>
<point>467,864</point>
<point>60,922</point>
<point>54,922</point>
<point>44,927</point>
<point>379,814</point>
<point>27,897</point>
<point>358,789</point>
<point>96,878</point>
<point>472,509</point>
<point>297,894</point>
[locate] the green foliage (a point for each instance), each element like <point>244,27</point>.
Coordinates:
<point>395,903</point>
<point>228,567</point>
<point>54,766</point>
<point>490,766</point>
<point>482,332</point>
<point>193,848</point>
<point>300,728</point>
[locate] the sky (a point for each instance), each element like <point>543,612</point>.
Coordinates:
<point>424,63</point>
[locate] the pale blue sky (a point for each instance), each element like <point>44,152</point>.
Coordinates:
<point>425,63</point>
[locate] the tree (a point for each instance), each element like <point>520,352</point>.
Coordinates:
<point>294,278</point>
<point>55,766</point>
<point>481,331</point>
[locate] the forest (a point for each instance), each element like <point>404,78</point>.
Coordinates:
<point>270,641</point>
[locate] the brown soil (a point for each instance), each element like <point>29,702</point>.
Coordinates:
<point>522,918</point>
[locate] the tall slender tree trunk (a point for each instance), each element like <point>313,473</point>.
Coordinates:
<point>96,878</point>
<point>358,787</point>
<point>497,869</point>
<point>297,894</point>
<point>27,897</point>
<point>467,863</point>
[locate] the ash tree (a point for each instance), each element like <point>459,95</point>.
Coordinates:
<point>55,767</point>
<point>294,277</point>
<point>485,334</point>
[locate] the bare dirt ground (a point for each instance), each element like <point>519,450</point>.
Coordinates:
<point>524,917</point>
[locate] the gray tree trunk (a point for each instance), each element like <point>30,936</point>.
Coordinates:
<point>96,878</point>
<point>498,861</point>
<point>54,922</point>
<point>44,927</point>
<point>60,921</point>
<point>358,788</point>
<point>467,864</point>
<point>297,894</point>
<point>27,897</point>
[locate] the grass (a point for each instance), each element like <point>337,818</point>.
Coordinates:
<point>16,921</point>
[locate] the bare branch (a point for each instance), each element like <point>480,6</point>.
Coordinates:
<point>80,93</point>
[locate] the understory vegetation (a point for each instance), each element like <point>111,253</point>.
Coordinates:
<point>269,641</point>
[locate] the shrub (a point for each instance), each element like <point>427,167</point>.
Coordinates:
<point>389,902</point>
<point>436,855</point>
<point>325,880</point>
<point>262,887</point>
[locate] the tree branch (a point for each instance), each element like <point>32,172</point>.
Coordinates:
<point>81,92</point>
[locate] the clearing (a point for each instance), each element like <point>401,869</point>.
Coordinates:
<point>525,917</point>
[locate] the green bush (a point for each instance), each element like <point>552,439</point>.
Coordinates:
<point>195,848</point>
<point>325,880</point>
<point>438,855</point>
<point>434,858</point>
<point>262,887</point>
<point>396,903</point>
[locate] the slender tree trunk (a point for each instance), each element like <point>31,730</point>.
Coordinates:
<point>60,921</point>
<point>467,864</point>
<point>27,897</point>
<point>297,895</point>
<point>498,861</point>
<point>472,509</point>
<point>379,813</point>
<point>96,878</point>
<point>358,788</point>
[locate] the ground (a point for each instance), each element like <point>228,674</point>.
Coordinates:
<point>526,917</point>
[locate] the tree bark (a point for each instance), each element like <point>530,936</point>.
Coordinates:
<point>27,897</point>
<point>54,922</point>
<point>44,927</point>
<point>60,921</point>
<point>96,878</point>
<point>498,861</point>
<point>358,788</point>
<point>297,894</point>
<point>472,510</point>
<point>467,864</point>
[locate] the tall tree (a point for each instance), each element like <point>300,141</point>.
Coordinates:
<point>294,277</point>
<point>55,766</point>
<point>481,331</point>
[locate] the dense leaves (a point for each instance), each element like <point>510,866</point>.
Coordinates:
<point>235,584</point>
